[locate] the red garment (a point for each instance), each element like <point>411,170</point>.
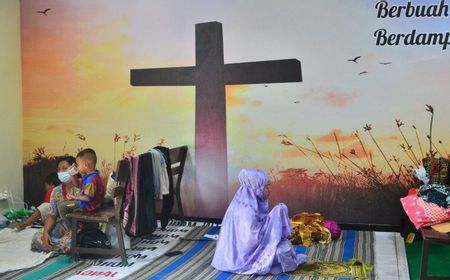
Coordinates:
<point>48,194</point>
<point>413,191</point>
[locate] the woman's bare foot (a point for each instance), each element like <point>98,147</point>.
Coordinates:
<point>19,226</point>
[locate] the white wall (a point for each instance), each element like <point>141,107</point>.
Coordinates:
<point>11,175</point>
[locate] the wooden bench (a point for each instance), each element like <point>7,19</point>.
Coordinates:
<point>429,236</point>
<point>110,215</point>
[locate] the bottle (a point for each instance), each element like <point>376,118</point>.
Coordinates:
<point>3,221</point>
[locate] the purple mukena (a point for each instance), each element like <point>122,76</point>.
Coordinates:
<point>253,240</point>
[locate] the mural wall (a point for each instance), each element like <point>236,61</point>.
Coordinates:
<point>338,135</point>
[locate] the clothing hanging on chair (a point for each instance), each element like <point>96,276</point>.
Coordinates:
<point>147,171</point>
<point>139,215</point>
<point>167,198</point>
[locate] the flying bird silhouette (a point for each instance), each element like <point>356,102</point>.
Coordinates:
<point>385,63</point>
<point>44,12</point>
<point>363,72</point>
<point>355,60</point>
<point>296,102</point>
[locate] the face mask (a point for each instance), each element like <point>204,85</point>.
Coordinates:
<point>64,177</point>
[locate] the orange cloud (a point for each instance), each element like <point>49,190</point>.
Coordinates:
<point>329,96</point>
<point>235,96</point>
<point>337,99</point>
<point>52,127</point>
<point>339,135</point>
<point>388,138</point>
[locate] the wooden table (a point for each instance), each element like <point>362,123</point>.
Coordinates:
<point>430,235</point>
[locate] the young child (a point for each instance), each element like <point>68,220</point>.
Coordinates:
<point>92,189</point>
<point>253,240</point>
<point>41,211</point>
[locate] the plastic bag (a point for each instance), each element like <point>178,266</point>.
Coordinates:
<point>112,236</point>
<point>110,185</point>
<point>3,221</point>
<point>18,214</point>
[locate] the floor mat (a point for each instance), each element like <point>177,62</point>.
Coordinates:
<point>195,263</point>
<point>351,269</point>
<point>147,259</point>
<point>142,252</point>
<point>14,246</point>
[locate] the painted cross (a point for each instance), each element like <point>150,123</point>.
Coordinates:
<point>210,75</point>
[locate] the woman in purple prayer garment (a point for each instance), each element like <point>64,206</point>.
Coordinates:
<point>253,240</point>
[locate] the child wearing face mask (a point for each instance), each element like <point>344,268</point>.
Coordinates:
<point>92,188</point>
<point>41,211</point>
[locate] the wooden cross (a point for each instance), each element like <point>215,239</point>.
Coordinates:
<point>209,76</point>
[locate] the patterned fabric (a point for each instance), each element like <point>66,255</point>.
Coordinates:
<point>309,228</point>
<point>60,237</point>
<point>353,268</point>
<point>437,170</point>
<point>62,267</point>
<point>438,194</point>
<point>59,195</point>
<point>423,213</point>
<point>131,197</point>
<point>92,188</point>
<point>194,263</point>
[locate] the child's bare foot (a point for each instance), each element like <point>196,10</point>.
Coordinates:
<point>19,226</point>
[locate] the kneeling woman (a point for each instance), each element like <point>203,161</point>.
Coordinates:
<point>252,240</point>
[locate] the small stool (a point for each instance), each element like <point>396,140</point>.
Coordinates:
<point>430,235</point>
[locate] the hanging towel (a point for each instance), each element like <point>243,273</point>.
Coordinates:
<point>163,174</point>
<point>160,176</point>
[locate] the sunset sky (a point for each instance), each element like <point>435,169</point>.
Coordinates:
<point>76,79</point>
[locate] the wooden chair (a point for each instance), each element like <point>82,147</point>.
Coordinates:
<point>177,159</point>
<point>430,235</point>
<point>110,215</point>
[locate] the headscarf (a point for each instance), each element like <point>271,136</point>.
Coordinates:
<point>251,191</point>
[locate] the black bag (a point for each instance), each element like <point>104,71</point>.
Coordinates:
<point>92,238</point>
